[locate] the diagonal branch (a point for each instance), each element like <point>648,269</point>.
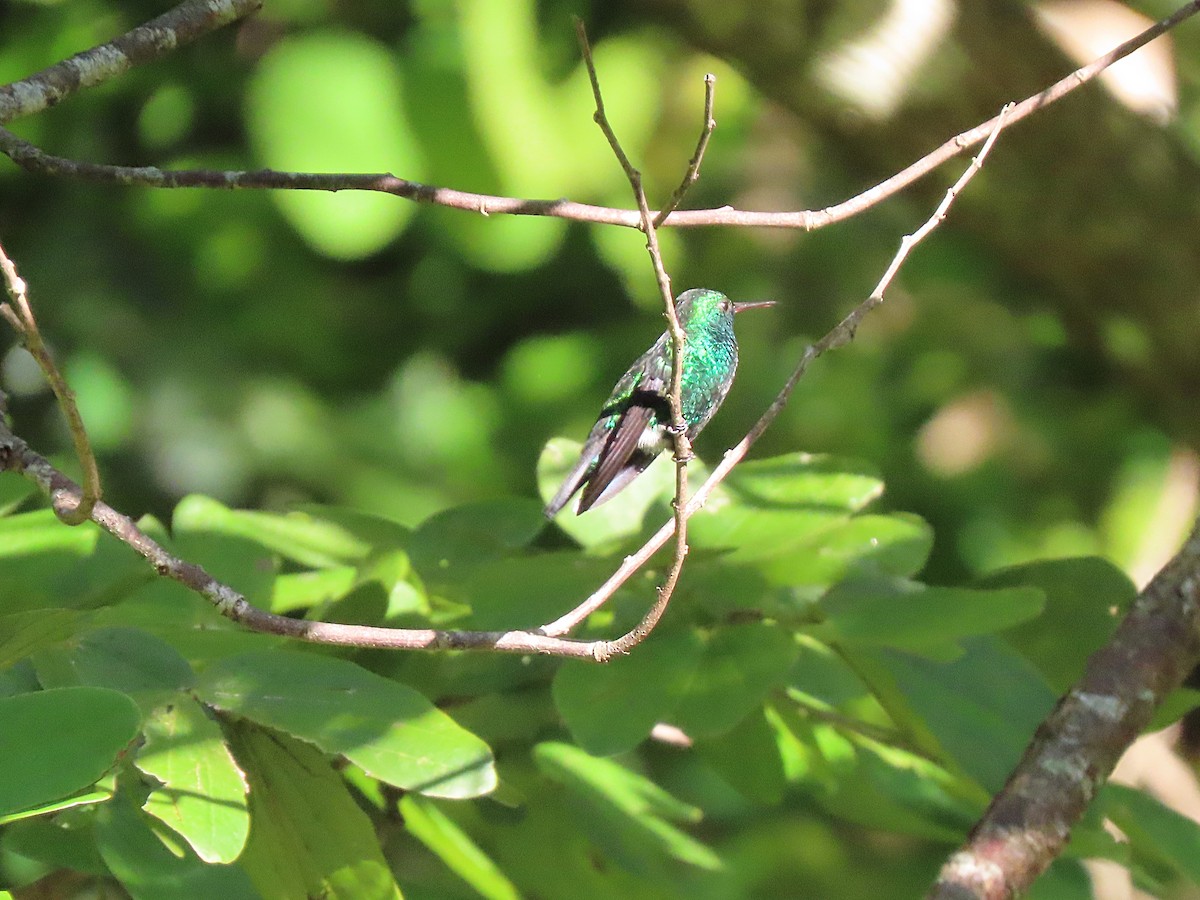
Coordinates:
<point>840,334</point>
<point>155,39</point>
<point>692,175</point>
<point>1075,748</point>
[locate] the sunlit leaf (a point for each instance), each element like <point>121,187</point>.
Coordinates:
<point>145,864</point>
<point>203,793</point>
<point>911,616</point>
<point>25,632</point>
<point>386,728</point>
<point>454,847</point>
<point>1084,598</point>
<point>739,664</point>
<point>310,838</point>
<point>296,535</point>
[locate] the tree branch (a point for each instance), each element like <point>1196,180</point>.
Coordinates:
<point>840,334</point>
<point>1075,748</point>
<point>34,160</point>
<point>146,43</point>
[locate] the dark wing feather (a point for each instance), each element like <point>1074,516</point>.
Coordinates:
<point>620,452</point>
<point>577,475</point>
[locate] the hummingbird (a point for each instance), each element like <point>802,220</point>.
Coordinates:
<point>632,428</point>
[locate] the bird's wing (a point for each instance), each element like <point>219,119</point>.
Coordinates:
<point>620,454</point>
<point>579,472</point>
<point>597,440</point>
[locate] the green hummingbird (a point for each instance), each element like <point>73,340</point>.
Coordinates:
<point>631,430</point>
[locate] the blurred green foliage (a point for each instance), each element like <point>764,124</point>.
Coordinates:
<point>376,383</point>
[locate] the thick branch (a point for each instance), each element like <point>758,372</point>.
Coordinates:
<point>1076,747</point>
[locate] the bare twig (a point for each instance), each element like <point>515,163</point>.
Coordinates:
<point>1076,747</point>
<point>692,175</point>
<point>33,159</point>
<point>678,425</point>
<point>840,334</point>
<point>19,314</point>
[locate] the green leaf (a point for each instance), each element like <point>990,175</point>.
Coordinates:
<point>910,616</point>
<point>303,590</point>
<point>1174,706</point>
<point>454,847</point>
<point>296,536</point>
<point>981,709</point>
<point>896,544</point>
<point>810,545</point>
<point>58,742</point>
<point>738,666</point>
<point>890,789</point>
<point>1155,830</point>
<point>41,532</point>
<point>451,542</point>
<point>747,756</point>
<point>310,839</point>
<point>611,708</point>
<point>203,793</point>
<point>805,480</point>
<point>56,843</point>
<point>333,102</point>
<point>376,531</point>
<point>627,815</point>
<point>14,491</point>
<point>824,677</point>
<point>87,798</point>
<point>1085,598</point>
<point>389,730</point>
<point>149,869</point>
<point>26,632</point>
<point>128,660</point>
<point>527,591</point>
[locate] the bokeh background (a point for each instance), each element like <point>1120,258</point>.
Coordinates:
<point>1029,387</point>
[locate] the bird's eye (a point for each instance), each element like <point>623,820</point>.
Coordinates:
<point>726,305</point>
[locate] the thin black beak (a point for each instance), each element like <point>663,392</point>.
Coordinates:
<point>757,304</point>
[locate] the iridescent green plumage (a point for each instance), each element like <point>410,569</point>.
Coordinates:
<point>630,431</point>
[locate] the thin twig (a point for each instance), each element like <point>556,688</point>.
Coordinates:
<point>692,175</point>
<point>840,334</point>
<point>139,47</point>
<point>678,425</point>
<point>19,315</point>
